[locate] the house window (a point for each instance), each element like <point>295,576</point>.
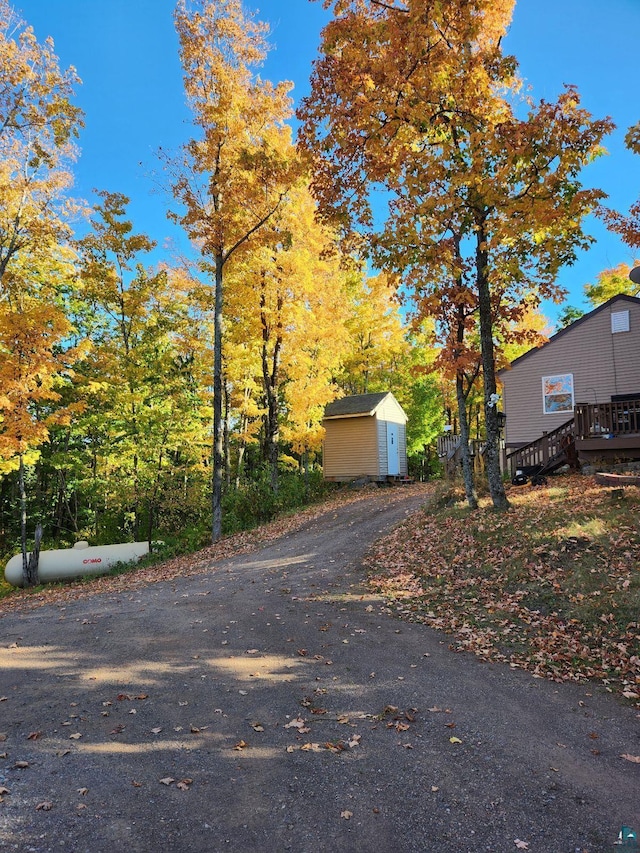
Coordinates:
<point>619,321</point>
<point>557,393</point>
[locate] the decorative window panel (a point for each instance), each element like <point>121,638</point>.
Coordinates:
<point>619,321</point>
<point>557,393</point>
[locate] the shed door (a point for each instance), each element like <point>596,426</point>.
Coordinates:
<point>393,455</point>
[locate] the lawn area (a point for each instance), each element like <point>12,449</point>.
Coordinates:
<point>552,585</point>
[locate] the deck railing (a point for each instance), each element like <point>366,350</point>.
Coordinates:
<point>597,420</point>
<point>447,443</point>
<point>544,451</point>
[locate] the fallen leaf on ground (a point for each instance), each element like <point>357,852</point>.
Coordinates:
<point>156,731</point>
<point>34,735</point>
<point>521,845</point>
<point>21,765</point>
<point>346,814</point>
<point>45,806</point>
<point>83,791</point>
<point>183,784</point>
<point>298,723</point>
<point>4,790</point>
<point>75,736</point>
<point>454,740</point>
<point>242,744</point>
<point>634,758</point>
<point>167,780</point>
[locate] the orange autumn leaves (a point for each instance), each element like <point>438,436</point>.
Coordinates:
<point>551,587</point>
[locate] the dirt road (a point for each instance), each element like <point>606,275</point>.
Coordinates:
<point>271,703</point>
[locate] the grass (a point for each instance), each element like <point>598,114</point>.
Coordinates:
<point>552,585</point>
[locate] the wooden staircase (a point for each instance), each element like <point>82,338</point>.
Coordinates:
<point>547,453</point>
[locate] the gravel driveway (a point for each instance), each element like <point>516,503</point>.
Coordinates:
<point>271,703</point>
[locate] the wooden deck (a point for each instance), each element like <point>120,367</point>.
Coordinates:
<point>598,431</point>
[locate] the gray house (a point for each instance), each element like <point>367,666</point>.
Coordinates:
<point>578,395</point>
<point>365,436</point>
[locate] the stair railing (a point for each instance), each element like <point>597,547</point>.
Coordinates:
<point>544,451</point>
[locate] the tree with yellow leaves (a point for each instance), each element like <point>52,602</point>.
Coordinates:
<point>377,335</point>
<point>38,124</point>
<point>288,302</point>
<point>237,169</point>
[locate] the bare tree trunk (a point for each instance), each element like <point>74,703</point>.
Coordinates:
<point>463,389</point>
<point>218,438</point>
<point>29,561</point>
<point>34,558</point>
<point>271,378</point>
<point>492,451</point>
<point>242,446</point>
<point>226,432</point>
<point>467,464</point>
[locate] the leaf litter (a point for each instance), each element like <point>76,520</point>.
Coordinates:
<point>551,586</point>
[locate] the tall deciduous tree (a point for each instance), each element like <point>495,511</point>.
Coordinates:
<point>418,98</point>
<point>38,123</point>
<point>288,295</point>
<point>140,374</point>
<point>240,164</point>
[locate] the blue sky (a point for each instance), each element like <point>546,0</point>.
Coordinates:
<point>125,51</point>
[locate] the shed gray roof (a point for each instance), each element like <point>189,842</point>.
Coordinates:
<point>358,404</point>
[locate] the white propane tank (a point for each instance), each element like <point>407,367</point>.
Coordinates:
<point>75,562</point>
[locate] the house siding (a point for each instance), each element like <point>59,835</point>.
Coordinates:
<point>390,410</point>
<point>350,448</point>
<point>404,469</point>
<point>602,364</point>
